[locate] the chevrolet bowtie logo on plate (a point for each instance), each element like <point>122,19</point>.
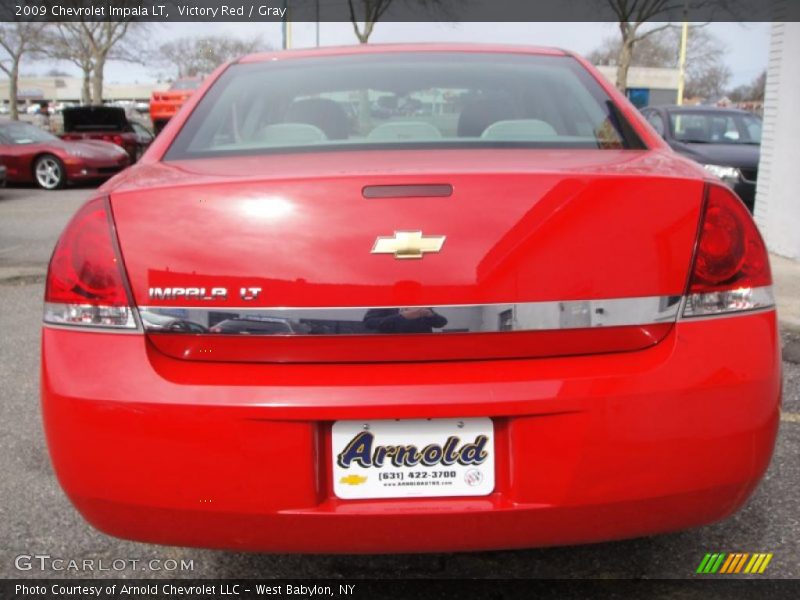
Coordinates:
<point>408,244</point>
<point>353,480</point>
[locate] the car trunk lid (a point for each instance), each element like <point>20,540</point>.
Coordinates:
<point>545,252</point>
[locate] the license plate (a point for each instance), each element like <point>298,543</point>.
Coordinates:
<point>413,458</point>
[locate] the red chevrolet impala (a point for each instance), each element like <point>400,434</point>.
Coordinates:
<point>431,297</point>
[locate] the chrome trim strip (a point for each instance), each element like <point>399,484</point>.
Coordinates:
<point>459,318</point>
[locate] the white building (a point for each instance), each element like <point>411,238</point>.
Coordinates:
<point>777,209</point>
<point>68,89</point>
<point>647,86</point>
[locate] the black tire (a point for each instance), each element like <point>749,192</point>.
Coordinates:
<point>49,172</point>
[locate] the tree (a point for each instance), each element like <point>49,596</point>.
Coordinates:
<point>67,42</point>
<point>200,56</point>
<point>369,12</point>
<point>17,39</point>
<point>652,51</point>
<point>103,37</point>
<point>759,86</point>
<point>711,82</point>
<point>372,11</point>
<point>90,44</point>
<point>632,15</point>
<point>753,91</point>
<point>706,73</point>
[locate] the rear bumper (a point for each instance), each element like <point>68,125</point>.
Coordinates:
<point>587,448</point>
<point>164,111</point>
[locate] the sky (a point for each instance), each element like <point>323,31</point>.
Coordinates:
<point>746,44</point>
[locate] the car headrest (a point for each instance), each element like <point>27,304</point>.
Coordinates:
<point>519,129</point>
<point>322,113</point>
<point>291,134</point>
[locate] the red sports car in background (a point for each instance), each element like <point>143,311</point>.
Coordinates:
<point>165,104</point>
<point>517,318</point>
<point>32,155</point>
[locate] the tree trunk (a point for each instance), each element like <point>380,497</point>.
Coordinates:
<point>86,90</point>
<point>368,27</point>
<point>12,90</point>
<point>624,63</point>
<point>97,80</point>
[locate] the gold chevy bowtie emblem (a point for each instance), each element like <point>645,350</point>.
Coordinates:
<point>408,244</point>
<point>353,480</point>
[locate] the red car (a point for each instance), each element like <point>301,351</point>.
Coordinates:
<point>517,317</point>
<point>164,105</point>
<point>32,155</point>
<point>105,123</point>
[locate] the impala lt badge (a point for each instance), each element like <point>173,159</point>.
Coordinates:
<point>408,244</point>
<point>201,293</point>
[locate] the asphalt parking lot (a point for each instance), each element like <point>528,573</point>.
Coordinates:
<point>37,519</point>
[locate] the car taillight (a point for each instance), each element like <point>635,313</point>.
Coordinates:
<point>114,139</point>
<point>85,280</point>
<point>731,266</point>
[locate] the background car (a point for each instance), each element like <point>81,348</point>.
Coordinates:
<point>144,137</point>
<point>33,155</point>
<point>726,141</point>
<point>164,105</point>
<point>105,123</point>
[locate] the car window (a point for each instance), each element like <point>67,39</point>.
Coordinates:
<point>140,129</point>
<point>717,127</point>
<point>24,133</point>
<point>404,99</point>
<point>656,120</point>
<point>753,125</point>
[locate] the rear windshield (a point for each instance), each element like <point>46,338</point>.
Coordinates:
<point>462,100</point>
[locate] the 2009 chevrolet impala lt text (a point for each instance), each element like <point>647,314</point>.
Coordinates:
<point>409,298</point>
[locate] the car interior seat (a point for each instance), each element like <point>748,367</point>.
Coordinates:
<point>483,110</point>
<point>323,113</point>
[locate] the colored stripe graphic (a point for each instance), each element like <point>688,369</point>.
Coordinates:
<point>722,563</point>
<point>711,563</point>
<point>734,563</point>
<point>703,563</point>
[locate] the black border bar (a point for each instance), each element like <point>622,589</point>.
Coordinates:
<point>402,10</point>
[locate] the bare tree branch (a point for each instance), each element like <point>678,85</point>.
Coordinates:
<point>17,39</point>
